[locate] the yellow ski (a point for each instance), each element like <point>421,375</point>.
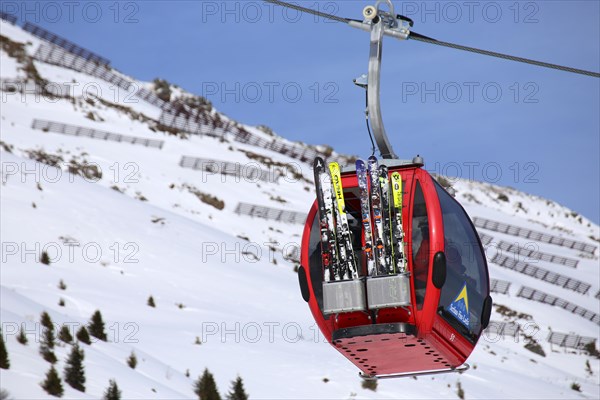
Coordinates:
<point>345,244</point>
<point>399,255</point>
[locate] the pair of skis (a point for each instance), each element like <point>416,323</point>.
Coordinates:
<point>381,211</point>
<point>384,234</point>
<point>339,260</point>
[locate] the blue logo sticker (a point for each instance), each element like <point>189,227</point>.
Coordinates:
<point>460,307</point>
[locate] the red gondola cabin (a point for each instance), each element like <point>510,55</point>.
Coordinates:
<point>446,303</point>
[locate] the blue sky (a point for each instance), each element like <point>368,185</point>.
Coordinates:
<point>472,116</point>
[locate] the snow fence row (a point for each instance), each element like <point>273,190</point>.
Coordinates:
<point>73,130</point>
<point>533,235</point>
<point>537,295</point>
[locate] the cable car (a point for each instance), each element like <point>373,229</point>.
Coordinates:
<point>436,327</point>
<point>425,319</point>
<point>429,318</point>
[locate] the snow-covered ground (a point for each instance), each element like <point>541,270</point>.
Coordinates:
<point>141,230</point>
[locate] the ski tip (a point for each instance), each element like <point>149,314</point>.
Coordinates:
<point>318,162</point>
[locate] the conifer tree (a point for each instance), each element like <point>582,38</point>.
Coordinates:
<point>132,360</point>
<point>53,384</point>
<point>151,302</point>
<point>206,388</point>
<point>22,337</point>
<point>4,361</point>
<point>47,345</point>
<point>45,258</point>
<point>96,326</point>
<point>46,321</point>
<point>74,370</point>
<point>83,336</point>
<point>237,391</point>
<point>65,334</point>
<point>112,391</point>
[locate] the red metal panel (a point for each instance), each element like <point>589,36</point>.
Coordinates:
<point>436,243</point>
<point>392,354</point>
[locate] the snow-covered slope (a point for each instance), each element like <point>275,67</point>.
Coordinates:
<point>148,227</point>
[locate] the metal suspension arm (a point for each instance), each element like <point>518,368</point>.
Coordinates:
<point>374,108</point>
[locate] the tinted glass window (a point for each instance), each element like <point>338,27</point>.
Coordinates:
<point>466,286</point>
<point>420,245</point>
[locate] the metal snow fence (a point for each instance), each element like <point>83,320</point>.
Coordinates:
<point>533,235</point>
<point>535,254</point>
<point>200,125</point>
<point>239,170</point>
<point>503,329</point>
<point>55,55</point>
<point>12,19</point>
<point>65,44</point>
<point>299,152</point>
<point>150,97</point>
<point>499,286</point>
<point>190,126</point>
<point>57,127</point>
<point>485,239</point>
<point>268,213</point>
<point>541,273</point>
<point>570,340</point>
<point>536,295</point>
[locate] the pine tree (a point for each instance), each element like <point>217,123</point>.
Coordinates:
<point>237,391</point>
<point>65,334</point>
<point>48,338</point>
<point>4,361</point>
<point>83,336</point>
<point>112,391</point>
<point>151,302</point>
<point>46,321</point>
<point>206,388</point>
<point>53,384</point>
<point>132,360</point>
<point>44,258</point>
<point>22,337</point>
<point>74,371</point>
<point>62,285</point>
<point>47,345</point>
<point>96,326</point>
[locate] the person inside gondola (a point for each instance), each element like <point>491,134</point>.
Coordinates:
<point>456,274</point>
